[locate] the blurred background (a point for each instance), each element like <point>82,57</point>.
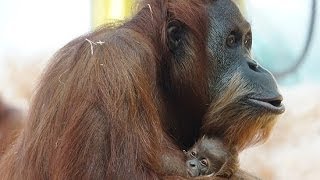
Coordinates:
<point>31,31</point>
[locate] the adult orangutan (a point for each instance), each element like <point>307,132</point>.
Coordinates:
<point>114,102</point>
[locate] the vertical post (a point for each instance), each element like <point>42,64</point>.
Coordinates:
<point>242,5</point>
<point>106,11</point>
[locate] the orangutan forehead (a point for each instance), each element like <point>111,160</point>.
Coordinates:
<point>226,9</point>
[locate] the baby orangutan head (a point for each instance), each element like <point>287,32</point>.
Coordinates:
<point>211,156</point>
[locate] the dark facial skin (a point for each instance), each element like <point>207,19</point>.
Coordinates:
<point>208,156</point>
<point>196,165</point>
<point>229,45</point>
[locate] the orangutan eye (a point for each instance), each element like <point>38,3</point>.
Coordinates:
<point>204,162</point>
<point>248,40</point>
<point>193,154</point>
<point>233,39</point>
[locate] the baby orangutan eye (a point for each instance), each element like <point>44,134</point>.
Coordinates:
<point>193,154</point>
<point>204,162</point>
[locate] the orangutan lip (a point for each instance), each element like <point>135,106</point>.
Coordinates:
<point>273,104</point>
<point>191,174</point>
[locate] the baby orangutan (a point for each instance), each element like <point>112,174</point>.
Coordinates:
<point>209,156</point>
<point>208,159</point>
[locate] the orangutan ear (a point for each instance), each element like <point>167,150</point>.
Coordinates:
<point>176,33</point>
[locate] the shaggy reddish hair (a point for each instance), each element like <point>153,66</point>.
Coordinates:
<point>101,113</point>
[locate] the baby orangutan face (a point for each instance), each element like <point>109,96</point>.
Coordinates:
<point>211,156</point>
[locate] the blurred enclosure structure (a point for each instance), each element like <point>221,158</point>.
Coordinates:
<point>31,31</point>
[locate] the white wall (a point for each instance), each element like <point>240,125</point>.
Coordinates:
<point>30,32</point>
<point>32,26</point>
